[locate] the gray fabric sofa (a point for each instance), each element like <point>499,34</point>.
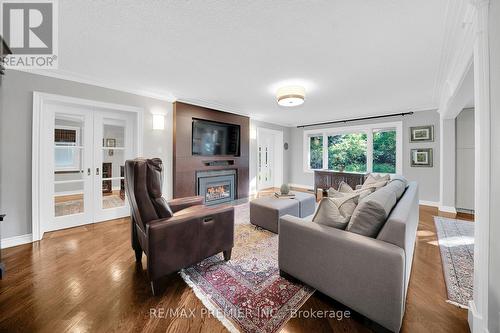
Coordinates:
<point>369,275</point>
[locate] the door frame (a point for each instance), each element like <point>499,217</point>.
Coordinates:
<point>40,100</point>
<point>277,156</point>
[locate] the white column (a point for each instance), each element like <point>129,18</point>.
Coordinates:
<point>447,166</point>
<point>478,308</point>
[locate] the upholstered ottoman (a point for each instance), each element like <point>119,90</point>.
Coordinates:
<point>265,212</point>
<point>307,203</point>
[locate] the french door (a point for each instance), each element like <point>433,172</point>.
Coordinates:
<point>82,157</point>
<point>265,157</point>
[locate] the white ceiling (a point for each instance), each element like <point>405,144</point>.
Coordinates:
<point>355,58</point>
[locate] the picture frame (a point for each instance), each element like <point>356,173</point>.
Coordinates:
<point>422,133</point>
<point>421,157</point>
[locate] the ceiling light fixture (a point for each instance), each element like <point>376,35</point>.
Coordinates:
<point>290,95</point>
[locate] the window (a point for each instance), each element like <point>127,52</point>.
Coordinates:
<point>347,152</point>
<point>66,152</point>
<point>316,152</point>
<point>384,151</point>
<point>370,148</point>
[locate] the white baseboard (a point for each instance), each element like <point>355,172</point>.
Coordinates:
<point>476,323</point>
<point>307,187</point>
<point>447,209</point>
<point>429,203</point>
<point>15,241</point>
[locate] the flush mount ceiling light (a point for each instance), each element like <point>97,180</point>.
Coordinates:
<point>290,95</point>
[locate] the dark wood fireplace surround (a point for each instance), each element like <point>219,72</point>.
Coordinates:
<point>185,165</point>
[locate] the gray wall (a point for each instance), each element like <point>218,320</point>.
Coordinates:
<point>254,124</point>
<point>494,271</point>
<point>465,160</point>
<point>428,178</point>
<point>16,107</point>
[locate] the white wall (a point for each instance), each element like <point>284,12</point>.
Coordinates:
<point>16,104</point>
<point>428,178</point>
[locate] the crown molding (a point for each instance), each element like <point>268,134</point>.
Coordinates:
<point>74,77</point>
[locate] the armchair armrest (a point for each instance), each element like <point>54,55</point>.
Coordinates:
<point>363,273</point>
<point>181,241</point>
<point>182,203</point>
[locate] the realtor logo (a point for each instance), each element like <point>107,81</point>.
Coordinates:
<point>30,30</point>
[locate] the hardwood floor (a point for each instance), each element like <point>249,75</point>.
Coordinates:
<point>85,280</point>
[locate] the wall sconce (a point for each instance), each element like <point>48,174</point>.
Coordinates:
<point>158,121</point>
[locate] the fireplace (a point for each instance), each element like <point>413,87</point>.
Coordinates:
<point>216,186</point>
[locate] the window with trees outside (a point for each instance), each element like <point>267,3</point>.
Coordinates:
<point>370,148</point>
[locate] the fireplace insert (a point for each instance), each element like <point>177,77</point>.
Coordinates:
<point>216,186</point>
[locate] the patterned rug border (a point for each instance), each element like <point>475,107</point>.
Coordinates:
<point>444,259</point>
<point>211,306</point>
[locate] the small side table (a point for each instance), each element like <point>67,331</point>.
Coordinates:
<point>2,267</point>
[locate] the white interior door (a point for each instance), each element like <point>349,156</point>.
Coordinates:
<point>265,158</point>
<point>81,164</point>
<point>113,142</point>
<point>66,162</point>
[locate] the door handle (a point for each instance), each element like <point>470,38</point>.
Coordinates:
<point>88,172</point>
<point>97,171</point>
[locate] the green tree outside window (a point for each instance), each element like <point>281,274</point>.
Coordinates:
<point>347,152</point>
<point>316,152</point>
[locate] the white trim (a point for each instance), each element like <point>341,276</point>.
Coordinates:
<point>15,241</point>
<point>482,194</point>
<point>307,187</point>
<point>78,78</point>
<point>368,129</point>
<point>429,203</point>
<point>447,209</point>
<point>39,101</point>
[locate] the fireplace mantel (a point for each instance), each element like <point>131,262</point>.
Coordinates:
<point>186,165</point>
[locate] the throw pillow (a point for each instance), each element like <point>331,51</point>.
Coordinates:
<point>374,179</point>
<point>363,192</point>
<point>372,212</point>
<point>335,212</point>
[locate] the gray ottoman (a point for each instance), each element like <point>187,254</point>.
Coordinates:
<point>266,212</point>
<point>307,203</point>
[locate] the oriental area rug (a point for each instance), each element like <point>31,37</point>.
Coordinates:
<point>247,290</point>
<point>456,243</point>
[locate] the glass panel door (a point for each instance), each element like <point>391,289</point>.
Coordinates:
<point>68,146</point>
<point>113,137</point>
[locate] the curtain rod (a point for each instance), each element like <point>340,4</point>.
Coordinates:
<point>357,119</point>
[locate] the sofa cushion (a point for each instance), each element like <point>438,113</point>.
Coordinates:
<point>371,212</point>
<point>335,212</point>
<point>398,183</point>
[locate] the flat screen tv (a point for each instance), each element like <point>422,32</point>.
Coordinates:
<point>212,138</point>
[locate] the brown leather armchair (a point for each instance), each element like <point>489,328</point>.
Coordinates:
<point>173,234</point>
